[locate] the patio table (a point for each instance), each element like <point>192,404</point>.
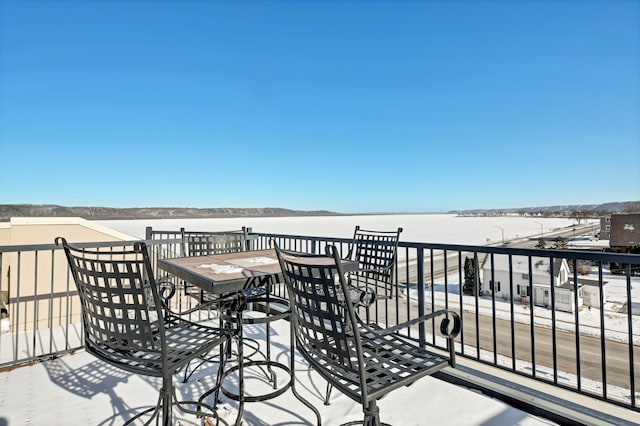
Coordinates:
<point>229,274</point>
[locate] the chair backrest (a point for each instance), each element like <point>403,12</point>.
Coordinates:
<point>223,242</point>
<point>321,311</point>
<point>201,244</point>
<point>375,252</point>
<point>121,307</point>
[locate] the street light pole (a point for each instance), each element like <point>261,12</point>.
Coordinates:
<point>541,229</point>
<point>501,229</point>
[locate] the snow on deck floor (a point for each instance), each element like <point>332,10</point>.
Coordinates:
<point>81,390</point>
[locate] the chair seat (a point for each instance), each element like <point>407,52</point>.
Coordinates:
<point>185,341</point>
<point>390,362</point>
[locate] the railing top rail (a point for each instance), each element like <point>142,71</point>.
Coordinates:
<point>515,251</point>
<point>52,246</point>
<point>568,254</point>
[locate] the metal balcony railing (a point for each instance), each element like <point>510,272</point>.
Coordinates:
<point>556,316</point>
<point>541,314</point>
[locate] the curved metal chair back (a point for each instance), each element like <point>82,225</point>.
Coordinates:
<point>216,243</point>
<point>375,252</point>
<point>119,299</point>
<point>321,311</point>
<point>125,322</point>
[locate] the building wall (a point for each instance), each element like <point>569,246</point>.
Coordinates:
<point>605,227</point>
<point>564,300</point>
<point>592,296</point>
<point>36,282</point>
<point>625,230</point>
<point>540,294</point>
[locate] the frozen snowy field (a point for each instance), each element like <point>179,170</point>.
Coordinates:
<point>429,228</point>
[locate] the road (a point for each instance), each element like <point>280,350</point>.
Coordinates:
<point>589,355</point>
<point>566,354</point>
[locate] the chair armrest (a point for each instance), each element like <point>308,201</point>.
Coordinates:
<point>166,288</point>
<point>444,324</point>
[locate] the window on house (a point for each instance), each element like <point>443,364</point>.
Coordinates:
<point>525,276</point>
<point>546,293</point>
<point>497,285</point>
<point>523,290</point>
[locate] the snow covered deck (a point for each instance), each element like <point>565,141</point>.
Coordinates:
<point>79,389</point>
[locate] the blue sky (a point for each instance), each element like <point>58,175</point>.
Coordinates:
<point>350,106</point>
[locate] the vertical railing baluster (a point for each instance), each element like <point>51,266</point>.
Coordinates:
<point>632,369</point>
<point>460,297</point>
<point>576,330</point>
<point>446,281</point>
<point>18,305</point>
<point>603,359</point>
<point>68,312</point>
<point>513,318</point>
<point>493,311</point>
<point>554,348</point>
<point>407,281</point>
<point>432,293</point>
<point>421,292</point>
<point>532,320</point>
<point>35,304</point>
<point>51,304</point>
<point>476,283</point>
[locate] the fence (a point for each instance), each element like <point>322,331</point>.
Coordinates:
<point>557,316</point>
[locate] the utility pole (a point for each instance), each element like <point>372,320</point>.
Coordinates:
<point>541,229</point>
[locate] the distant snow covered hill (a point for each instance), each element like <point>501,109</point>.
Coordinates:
<point>613,207</point>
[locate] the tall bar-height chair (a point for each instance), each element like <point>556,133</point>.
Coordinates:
<point>375,252</point>
<point>364,362</point>
<point>127,325</point>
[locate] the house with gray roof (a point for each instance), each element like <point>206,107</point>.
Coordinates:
<point>531,282</point>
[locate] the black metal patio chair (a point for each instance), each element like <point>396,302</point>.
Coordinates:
<point>364,362</point>
<point>127,325</point>
<point>375,252</point>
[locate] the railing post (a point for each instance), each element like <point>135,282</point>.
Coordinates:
<point>248,242</point>
<point>421,327</point>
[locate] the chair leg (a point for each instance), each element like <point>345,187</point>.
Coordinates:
<point>240,372</point>
<point>219,378</point>
<point>167,399</point>
<point>272,374</point>
<point>328,393</point>
<point>292,366</point>
<point>371,414</point>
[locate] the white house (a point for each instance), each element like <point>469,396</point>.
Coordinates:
<point>537,289</point>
